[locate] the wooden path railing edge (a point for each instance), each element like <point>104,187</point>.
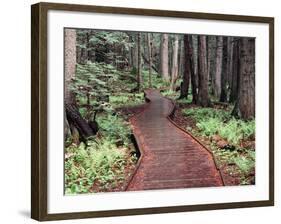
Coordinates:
<point>138,144</point>
<point>170,113</point>
<point>169,117</point>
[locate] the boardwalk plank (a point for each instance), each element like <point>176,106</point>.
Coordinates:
<point>171,158</point>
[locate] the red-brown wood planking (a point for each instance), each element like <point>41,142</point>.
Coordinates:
<point>171,158</point>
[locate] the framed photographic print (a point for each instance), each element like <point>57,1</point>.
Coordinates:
<point>139,111</point>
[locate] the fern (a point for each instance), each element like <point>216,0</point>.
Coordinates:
<point>214,121</point>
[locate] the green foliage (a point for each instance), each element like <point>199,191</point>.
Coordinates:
<point>98,84</point>
<point>99,165</point>
<point>92,83</point>
<point>157,81</point>
<point>210,122</point>
<point>110,38</point>
<point>214,121</point>
<point>102,160</point>
<point>99,161</point>
<point>115,129</point>
<point>170,94</point>
<point>209,126</point>
<point>105,45</point>
<point>126,99</point>
<point>235,130</point>
<point>203,113</point>
<point>245,163</point>
<point>187,100</point>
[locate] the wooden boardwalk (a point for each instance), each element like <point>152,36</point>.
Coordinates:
<point>170,157</point>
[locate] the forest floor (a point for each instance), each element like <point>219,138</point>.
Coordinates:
<point>234,150</point>
<point>234,160</point>
<point>106,162</point>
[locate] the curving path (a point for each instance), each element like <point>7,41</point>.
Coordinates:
<point>170,157</point>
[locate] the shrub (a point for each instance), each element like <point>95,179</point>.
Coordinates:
<point>209,127</point>
<point>157,81</point>
<point>245,164</point>
<point>99,161</point>
<point>114,128</point>
<point>126,99</point>
<point>214,121</point>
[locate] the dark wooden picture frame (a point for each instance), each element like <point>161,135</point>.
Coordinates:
<point>39,106</point>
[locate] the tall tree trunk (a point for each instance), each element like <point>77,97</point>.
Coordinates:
<point>175,68</point>
<point>224,74</point>
<point>78,55</point>
<point>229,60</point>
<point>187,67</point>
<point>134,52</point>
<point>219,56</point>
<point>74,119</point>
<point>208,56</point>
<point>181,60</point>
<point>149,46</point>
<point>212,62</point>
<point>165,57</point>
<point>203,95</point>
<point>170,56</point>
<point>139,76</point>
<point>132,62</point>
<point>235,71</point>
<point>194,67</point>
<point>194,41</point>
<point>245,105</point>
<point>70,63</point>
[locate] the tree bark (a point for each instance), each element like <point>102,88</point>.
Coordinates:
<point>181,60</point>
<point>219,57</point>
<point>187,67</point>
<point>203,95</point>
<point>70,62</point>
<point>139,76</point>
<point>149,46</point>
<point>146,60</point>
<point>131,52</point>
<point>165,57</point>
<point>208,56</point>
<point>235,71</point>
<point>77,122</point>
<point>194,67</point>
<point>175,67</point>
<point>224,74</point>
<point>245,105</point>
<point>194,41</point>
<point>229,60</point>
<point>212,62</point>
<point>74,119</point>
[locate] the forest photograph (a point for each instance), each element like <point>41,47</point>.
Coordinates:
<point>148,111</point>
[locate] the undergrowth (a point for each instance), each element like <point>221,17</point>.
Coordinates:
<point>212,122</point>
<point>114,128</point>
<point>100,161</point>
<point>157,81</point>
<point>126,99</point>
